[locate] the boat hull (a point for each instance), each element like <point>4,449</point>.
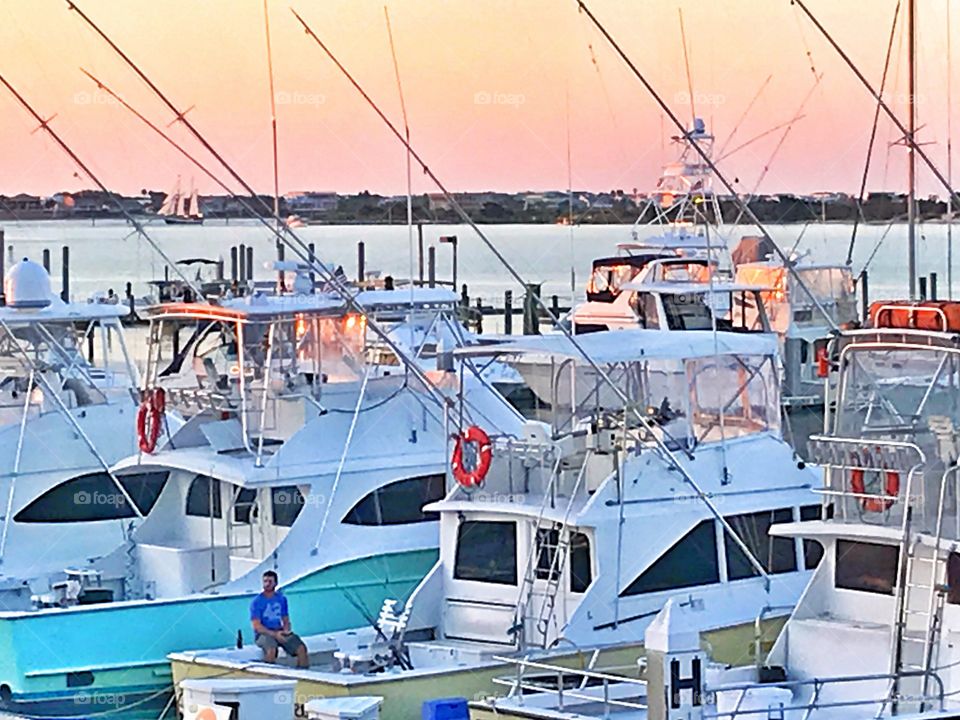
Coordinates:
<point>118,651</point>
<point>174,220</point>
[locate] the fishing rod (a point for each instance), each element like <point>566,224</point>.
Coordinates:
<point>658,441</point>
<point>873,136</point>
<point>908,136</point>
<point>744,207</point>
<point>138,228</point>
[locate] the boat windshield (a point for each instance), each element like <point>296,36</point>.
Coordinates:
<point>691,401</point>
<point>787,302</point>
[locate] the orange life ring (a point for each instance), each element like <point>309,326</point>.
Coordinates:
<point>871,504</point>
<point>474,477</point>
<point>149,418</point>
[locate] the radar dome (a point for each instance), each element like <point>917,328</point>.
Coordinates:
<point>27,285</point>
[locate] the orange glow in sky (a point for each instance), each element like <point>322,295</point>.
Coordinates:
<point>487,85</point>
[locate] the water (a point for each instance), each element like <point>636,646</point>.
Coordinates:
<point>107,255</point>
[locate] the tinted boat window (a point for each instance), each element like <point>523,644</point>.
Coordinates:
<point>692,561</point>
<point>776,554</point>
<point>199,495</point>
<point>486,552</point>
<point>581,574</point>
<point>399,502</point>
<point>287,503</point>
<point>867,567</point>
<point>93,497</point>
<point>812,549</point>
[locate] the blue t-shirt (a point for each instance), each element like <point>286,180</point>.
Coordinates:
<point>270,611</point>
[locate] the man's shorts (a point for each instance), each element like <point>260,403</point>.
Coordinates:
<point>291,644</point>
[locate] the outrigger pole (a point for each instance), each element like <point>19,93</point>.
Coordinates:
<point>908,136</point>
<point>283,233</point>
<point>45,125</point>
<point>665,451</point>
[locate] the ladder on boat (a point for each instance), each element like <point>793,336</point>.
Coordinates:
<point>558,554</point>
<point>920,598</point>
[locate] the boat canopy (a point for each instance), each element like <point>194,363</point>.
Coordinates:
<point>252,308</point>
<point>615,346</point>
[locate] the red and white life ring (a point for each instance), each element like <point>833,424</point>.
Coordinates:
<point>891,488</point>
<point>472,478</point>
<point>150,418</point>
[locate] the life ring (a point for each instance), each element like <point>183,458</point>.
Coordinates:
<point>474,477</point>
<point>150,417</point>
<point>891,488</point>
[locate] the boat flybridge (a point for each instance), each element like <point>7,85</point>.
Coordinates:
<point>68,398</point>
<point>573,532</point>
<point>297,454</point>
<point>875,633</point>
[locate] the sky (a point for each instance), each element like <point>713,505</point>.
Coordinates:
<point>493,90</point>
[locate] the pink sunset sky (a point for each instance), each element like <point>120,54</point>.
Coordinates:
<point>486,83</point>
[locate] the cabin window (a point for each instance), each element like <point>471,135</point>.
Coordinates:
<point>644,306</point>
<point>202,490</point>
<point>486,552</point>
<point>243,504</point>
<point>581,572</point>
<point>868,567</point>
<point>686,311</point>
<point>776,554</point>
<point>812,549</point>
<point>691,561</point>
<point>953,579</point>
<point>547,542</point>
<point>287,502</point>
<point>399,502</point>
<point>94,497</point>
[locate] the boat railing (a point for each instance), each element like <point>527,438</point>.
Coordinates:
<point>847,460</point>
<point>519,682</point>
<point>818,684</point>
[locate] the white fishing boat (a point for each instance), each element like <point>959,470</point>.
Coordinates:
<point>585,523</point>
<point>68,403</point>
<point>297,455</point>
<point>875,632</point>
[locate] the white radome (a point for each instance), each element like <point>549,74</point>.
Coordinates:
<point>27,285</point>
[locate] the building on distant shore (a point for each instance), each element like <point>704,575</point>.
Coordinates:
<point>311,203</point>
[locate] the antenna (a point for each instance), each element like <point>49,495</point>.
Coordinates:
<point>949,159</point>
<point>686,62</point>
<point>912,155</point>
<point>406,130</point>
<point>273,128</point>
<point>573,268</point>
<point>873,135</point>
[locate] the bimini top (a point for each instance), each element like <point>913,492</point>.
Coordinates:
<point>374,300</point>
<point>686,287</point>
<point>256,307</point>
<point>612,346</point>
<point>60,312</point>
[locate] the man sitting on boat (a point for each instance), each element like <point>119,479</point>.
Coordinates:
<point>271,624</point>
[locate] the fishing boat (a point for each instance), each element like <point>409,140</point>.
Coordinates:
<point>68,400</point>
<point>297,455</point>
<point>566,539</point>
<point>181,209</point>
<point>874,633</point>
